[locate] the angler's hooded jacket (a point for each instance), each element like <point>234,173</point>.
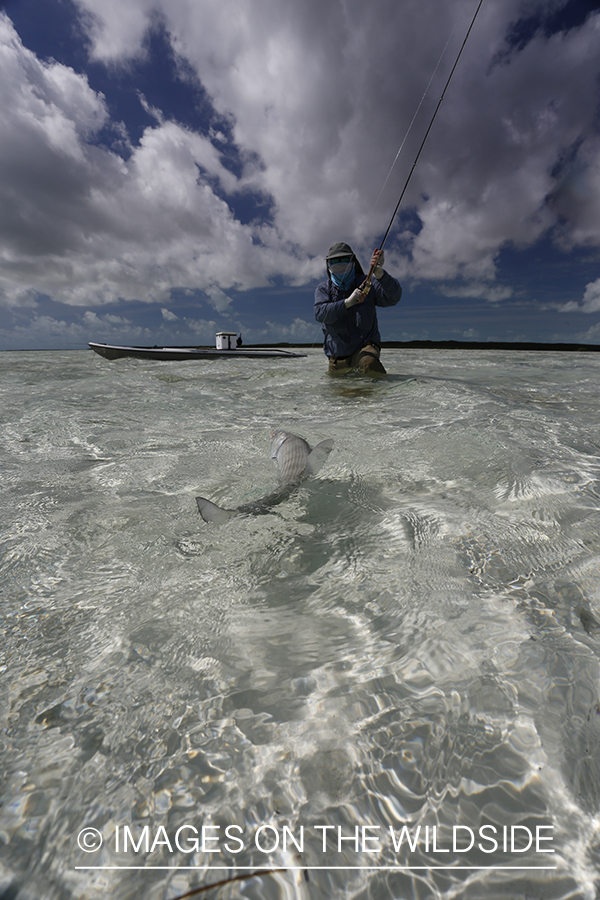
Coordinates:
<point>349,330</point>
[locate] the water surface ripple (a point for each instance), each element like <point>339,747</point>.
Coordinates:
<point>411,639</point>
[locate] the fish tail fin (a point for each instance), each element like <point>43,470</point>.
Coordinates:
<point>318,456</point>
<point>210,512</point>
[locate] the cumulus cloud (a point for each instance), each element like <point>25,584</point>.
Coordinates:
<point>218,298</point>
<point>318,97</point>
<point>299,330</point>
<point>591,300</point>
<point>202,328</point>
<point>92,318</point>
<point>479,291</point>
<point>41,330</point>
<point>591,297</point>
<point>82,225</point>
<point>326,128</point>
<point>30,329</point>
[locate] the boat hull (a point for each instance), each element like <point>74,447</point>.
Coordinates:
<point>114,351</point>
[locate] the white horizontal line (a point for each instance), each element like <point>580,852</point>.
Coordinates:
<point>241,869</point>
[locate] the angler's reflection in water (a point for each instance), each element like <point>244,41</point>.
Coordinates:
<point>357,386</point>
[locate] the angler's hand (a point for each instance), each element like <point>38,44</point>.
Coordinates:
<point>354,298</point>
<point>377,263</point>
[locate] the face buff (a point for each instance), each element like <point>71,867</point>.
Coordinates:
<point>342,272</point>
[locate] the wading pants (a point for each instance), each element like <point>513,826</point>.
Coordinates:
<point>365,360</point>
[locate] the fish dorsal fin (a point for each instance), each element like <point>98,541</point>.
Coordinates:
<point>317,457</point>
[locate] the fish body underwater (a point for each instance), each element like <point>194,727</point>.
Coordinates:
<point>295,462</point>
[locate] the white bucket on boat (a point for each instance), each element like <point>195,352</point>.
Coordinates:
<point>226,340</point>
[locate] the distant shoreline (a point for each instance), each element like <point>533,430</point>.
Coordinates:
<point>391,345</point>
<point>492,345</point>
<point>464,345</point>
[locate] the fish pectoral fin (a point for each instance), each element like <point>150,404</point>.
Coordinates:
<point>317,457</point>
<point>210,512</point>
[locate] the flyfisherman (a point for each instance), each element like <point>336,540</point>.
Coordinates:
<point>348,317</point>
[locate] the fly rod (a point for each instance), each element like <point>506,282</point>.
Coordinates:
<point>367,283</point>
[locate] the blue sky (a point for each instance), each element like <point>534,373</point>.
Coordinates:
<point>171,168</point>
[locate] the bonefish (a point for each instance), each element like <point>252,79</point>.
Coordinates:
<point>295,461</point>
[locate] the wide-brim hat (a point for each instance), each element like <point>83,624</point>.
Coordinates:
<point>339,249</point>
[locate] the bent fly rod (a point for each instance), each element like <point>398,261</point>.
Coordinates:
<point>366,287</point>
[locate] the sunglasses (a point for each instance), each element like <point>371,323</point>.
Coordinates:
<point>337,260</point>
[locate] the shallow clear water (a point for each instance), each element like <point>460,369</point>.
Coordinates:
<point>413,638</point>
